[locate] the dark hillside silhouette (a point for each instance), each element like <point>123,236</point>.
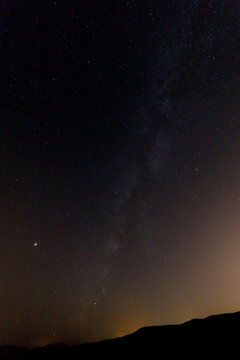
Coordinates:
<point>213,336</point>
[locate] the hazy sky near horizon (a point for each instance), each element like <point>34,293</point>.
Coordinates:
<point>120,166</point>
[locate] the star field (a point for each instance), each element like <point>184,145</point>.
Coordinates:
<point>120,167</point>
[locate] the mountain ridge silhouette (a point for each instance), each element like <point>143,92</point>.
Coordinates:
<point>215,335</point>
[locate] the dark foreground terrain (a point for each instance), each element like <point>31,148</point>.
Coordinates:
<point>213,336</point>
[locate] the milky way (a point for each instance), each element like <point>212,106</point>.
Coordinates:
<point>120,175</point>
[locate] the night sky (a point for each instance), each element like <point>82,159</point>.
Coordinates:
<point>120,166</point>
